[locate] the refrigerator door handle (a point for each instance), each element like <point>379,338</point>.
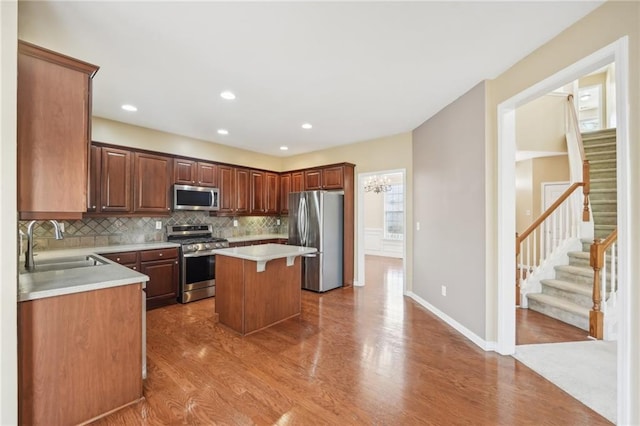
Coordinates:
<point>309,255</point>
<point>302,220</point>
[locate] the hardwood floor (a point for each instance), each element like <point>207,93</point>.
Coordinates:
<point>533,327</point>
<point>356,356</point>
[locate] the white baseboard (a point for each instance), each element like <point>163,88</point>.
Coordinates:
<point>483,344</point>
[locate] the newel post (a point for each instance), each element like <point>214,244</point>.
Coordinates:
<point>586,189</point>
<point>596,316</point>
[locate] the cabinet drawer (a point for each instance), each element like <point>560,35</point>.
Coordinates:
<point>125,258</point>
<point>150,255</point>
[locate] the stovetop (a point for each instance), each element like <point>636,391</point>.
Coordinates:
<point>194,238</point>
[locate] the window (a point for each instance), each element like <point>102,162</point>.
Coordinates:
<point>394,213</point>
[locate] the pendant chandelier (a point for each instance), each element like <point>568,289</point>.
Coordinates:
<point>377,184</point>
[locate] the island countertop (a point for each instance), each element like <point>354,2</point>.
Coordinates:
<point>263,253</point>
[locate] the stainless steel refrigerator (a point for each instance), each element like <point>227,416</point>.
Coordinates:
<point>315,220</point>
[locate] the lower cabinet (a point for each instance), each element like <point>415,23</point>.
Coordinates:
<point>162,268</point>
<point>79,355</point>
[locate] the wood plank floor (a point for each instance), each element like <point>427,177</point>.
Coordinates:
<point>358,356</point>
<point>533,327</point>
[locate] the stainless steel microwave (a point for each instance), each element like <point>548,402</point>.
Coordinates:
<point>187,197</point>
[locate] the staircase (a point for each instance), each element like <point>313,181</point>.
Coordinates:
<point>600,149</point>
<point>567,297</point>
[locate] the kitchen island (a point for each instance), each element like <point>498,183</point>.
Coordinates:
<point>258,286</point>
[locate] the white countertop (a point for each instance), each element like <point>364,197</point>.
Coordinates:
<point>258,237</point>
<point>262,253</point>
<point>41,284</point>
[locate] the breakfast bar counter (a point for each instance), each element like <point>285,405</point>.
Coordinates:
<point>258,286</point>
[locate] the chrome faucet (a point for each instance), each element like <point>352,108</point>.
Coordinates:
<point>29,263</point>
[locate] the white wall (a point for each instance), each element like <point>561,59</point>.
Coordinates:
<point>449,249</point>
<point>8,217</point>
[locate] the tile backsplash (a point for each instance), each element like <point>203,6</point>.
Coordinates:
<point>97,232</point>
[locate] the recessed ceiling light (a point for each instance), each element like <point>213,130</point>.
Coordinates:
<point>227,95</point>
<point>306,126</point>
<point>284,148</point>
<point>223,132</point>
<point>130,108</point>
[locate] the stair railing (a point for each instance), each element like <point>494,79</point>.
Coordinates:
<point>558,225</point>
<point>603,260</point>
<point>555,226</point>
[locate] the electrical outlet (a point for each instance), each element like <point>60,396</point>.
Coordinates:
<point>235,222</point>
<point>61,226</point>
<point>417,226</point>
<point>444,290</point>
<point>158,224</point>
<point>277,221</point>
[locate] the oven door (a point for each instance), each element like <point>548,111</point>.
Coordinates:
<point>198,276</point>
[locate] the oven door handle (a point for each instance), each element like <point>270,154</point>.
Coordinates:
<point>199,254</point>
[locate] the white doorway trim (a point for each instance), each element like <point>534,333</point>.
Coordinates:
<point>616,52</point>
<point>360,228</point>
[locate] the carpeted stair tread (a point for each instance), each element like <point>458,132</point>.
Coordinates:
<point>582,289</point>
<point>603,163</point>
<point>598,134</point>
<point>578,254</point>
<point>576,270</point>
<point>591,154</point>
<point>559,303</point>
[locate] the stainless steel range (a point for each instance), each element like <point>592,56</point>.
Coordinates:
<point>197,263</point>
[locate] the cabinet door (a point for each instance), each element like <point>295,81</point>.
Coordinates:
<point>152,177</point>
<point>53,128</point>
<point>227,186</point>
<point>272,191</point>
<point>207,174</point>
<point>243,191</point>
<point>93,189</point>
<point>332,177</point>
<point>257,192</point>
<point>162,287</point>
<point>115,181</point>
<point>297,181</point>
<point>184,172</point>
<point>285,189</point>
<point>312,179</point>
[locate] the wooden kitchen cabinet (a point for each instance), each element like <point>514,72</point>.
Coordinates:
<point>93,188</point>
<point>258,189</point>
<point>312,179</point>
<point>297,181</point>
<point>190,172</point>
<point>184,171</point>
<point>130,259</point>
<point>332,177</point>
<point>272,193</point>
<point>152,180</point>
<point>79,355</point>
<point>235,191</point>
<point>115,181</point>
<point>53,133</point>
<point>285,189</point>
<point>161,266</point>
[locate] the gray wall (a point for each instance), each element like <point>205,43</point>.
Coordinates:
<point>449,204</point>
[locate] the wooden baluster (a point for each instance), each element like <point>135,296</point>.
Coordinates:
<point>596,316</point>
<point>586,189</point>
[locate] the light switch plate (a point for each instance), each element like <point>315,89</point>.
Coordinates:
<point>235,222</point>
<point>158,224</point>
<point>277,221</point>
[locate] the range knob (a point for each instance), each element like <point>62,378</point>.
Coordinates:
<point>207,246</point>
<point>191,247</point>
<point>218,244</point>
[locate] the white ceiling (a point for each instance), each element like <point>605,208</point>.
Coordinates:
<point>354,70</point>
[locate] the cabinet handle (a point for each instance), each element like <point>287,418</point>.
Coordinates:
<point>168,208</point>
<point>103,207</point>
<point>93,207</point>
<point>117,259</point>
<point>160,254</point>
<point>176,262</point>
<point>135,268</point>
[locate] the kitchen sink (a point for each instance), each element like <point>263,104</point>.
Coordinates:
<point>62,263</point>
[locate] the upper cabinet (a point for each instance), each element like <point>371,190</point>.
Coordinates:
<point>125,182</point>
<point>313,179</point>
<point>190,172</point>
<point>152,178</point>
<point>234,184</point>
<point>54,111</point>
<point>264,193</point>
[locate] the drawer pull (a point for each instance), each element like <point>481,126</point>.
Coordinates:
<point>117,259</point>
<point>160,254</point>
